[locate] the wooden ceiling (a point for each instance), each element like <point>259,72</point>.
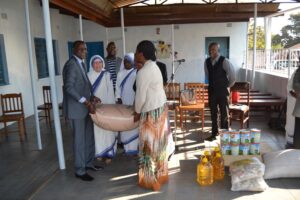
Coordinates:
<point>107,12</point>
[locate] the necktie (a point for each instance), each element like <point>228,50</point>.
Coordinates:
<point>83,67</point>
<point>84,71</point>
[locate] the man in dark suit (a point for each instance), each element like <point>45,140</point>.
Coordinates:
<point>163,70</point>
<point>221,77</point>
<point>78,102</point>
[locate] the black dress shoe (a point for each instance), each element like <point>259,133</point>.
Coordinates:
<point>211,138</point>
<point>84,177</point>
<point>95,168</point>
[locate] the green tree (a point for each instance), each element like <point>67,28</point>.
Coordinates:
<point>276,42</point>
<point>290,34</point>
<point>260,37</point>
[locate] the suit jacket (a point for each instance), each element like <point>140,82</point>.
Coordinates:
<point>163,70</point>
<point>75,86</point>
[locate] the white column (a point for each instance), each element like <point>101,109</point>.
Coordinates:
<point>47,26</point>
<point>106,36</point>
<point>246,56</point>
<point>80,27</point>
<point>254,46</point>
<point>268,48</point>
<point>123,32</point>
<point>106,40</point>
<point>173,52</point>
<point>268,36</point>
<point>173,81</point>
<point>289,63</point>
<point>33,86</point>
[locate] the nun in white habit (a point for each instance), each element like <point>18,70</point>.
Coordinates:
<point>102,87</point>
<point>126,95</point>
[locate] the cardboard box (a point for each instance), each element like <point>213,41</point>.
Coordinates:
<point>229,158</point>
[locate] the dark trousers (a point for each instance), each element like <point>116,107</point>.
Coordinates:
<point>296,141</point>
<point>218,103</point>
<point>83,144</point>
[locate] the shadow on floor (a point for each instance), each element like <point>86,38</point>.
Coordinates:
<point>27,173</point>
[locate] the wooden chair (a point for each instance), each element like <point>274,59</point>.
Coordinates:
<point>12,110</point>
<point>199,88</point>
<point>47,105</point>
<point>240,111</point>
<point>172,91</point>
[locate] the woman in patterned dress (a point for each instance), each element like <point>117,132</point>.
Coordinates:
<point>151,110</point>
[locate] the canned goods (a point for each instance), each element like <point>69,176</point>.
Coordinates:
<point>255,149</point>
<point>223,131</point>
<point>235,150</point>
<point>225,149</point>
<point>244,149</point>
<point>245,136</point>
<point>225,136</point>
<point>235,138</point>
<point>255,135</point>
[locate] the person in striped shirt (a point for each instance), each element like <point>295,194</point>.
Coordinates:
<point>112,62</point>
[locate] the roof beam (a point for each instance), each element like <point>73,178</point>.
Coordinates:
<point>78,7</point>
<point>99,12</point>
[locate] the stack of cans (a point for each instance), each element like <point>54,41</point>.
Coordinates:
<point>225,142</point>
<point>245,142</point>
<point>255,141</point>
<point>242,142</point>
<point>235,140</point>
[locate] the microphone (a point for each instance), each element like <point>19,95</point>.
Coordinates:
<point>180,61</point>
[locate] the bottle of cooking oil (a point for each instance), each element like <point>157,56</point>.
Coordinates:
<point>218,167</point>
<point>207,154</point>
<point>215,151</point>
<point>205,172</point>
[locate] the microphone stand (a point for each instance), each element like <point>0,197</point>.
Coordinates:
<point>172,80</point>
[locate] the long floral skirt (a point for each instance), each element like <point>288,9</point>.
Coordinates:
<point>153,140</point>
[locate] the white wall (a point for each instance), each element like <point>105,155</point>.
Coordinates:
<point>15,38</point>
<point>93,32</point>
<point>189,42</point>
<point>264,82</point>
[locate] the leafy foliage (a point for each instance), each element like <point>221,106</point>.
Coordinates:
<point>260,39</point>
<point>290,34</point>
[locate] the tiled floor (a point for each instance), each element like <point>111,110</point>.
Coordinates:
<point>26,173</point>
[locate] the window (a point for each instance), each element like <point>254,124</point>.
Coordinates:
<point>3,65</point>
<point>41,57</point>
<point>93,48</point>
<point>224,45</point>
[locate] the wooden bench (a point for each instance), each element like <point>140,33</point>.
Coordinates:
<point>257,94</point>
<point>258,100</point>
<point>268,104</point>
<point>264,102</point>
<point>260,97</point>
